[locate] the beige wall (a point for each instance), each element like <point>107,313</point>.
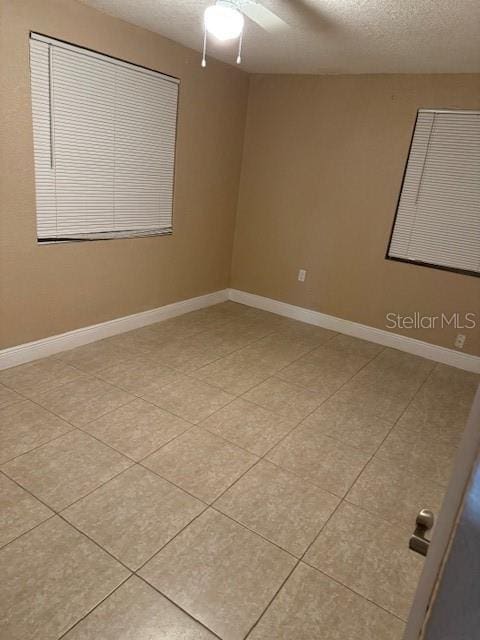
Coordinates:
<point>45,290</point>
<point>323,163</point>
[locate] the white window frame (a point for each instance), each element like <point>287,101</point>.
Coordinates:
<point>394,254</point>
<point>159,184</point>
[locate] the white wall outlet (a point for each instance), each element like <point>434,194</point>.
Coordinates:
<point>460,340</point>
<point>302,274</point>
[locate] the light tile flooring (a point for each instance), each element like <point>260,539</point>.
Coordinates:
<point>224,474</point>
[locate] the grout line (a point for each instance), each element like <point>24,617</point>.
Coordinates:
<point>302,420</point>
<point>207,506</point>
<point>211,505</point>
<point>177,486</point>
<point>56,511</point>
<point>345,586</point>
<point>257,533</point>
<point>93,608</point>
<point>136,571</point>
<point>32,495</point>
<point>177,606</point>
<point>97,544</point>
<point>298,560</point>
<point>39,446</point>
<point>49,517</point>
<point>342,500</point>
<point>174,438</point>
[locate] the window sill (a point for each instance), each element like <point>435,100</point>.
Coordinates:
<point>122,235</point>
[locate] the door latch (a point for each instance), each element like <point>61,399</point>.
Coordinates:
<point>424,522</point>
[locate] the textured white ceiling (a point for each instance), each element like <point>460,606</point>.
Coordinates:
<point>330,36</point>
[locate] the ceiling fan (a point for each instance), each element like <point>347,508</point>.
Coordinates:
<point>224,20</point>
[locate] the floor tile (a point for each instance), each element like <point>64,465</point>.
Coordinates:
<point>230,308</point>
<point>354,346</point>
<point>396,369</point>
<point>191,399</point>
<point>324,372</point>
<point>225,340</point>
<point>411,452</point>
<point>52,577</point>
<point>254,328</point>
<point>186,362</point>
<point>327,463</point>
<point>284,398</point>
<point>310,604</point>
<point>19,511</point>
<point>370,556</point>
<point>233,374</point>
<point>137,429</point>
<point>190,324</point>
<point>249,426</point>
<point>135,611</point>
<point>84,400</point>
<point>279,506</point>
<point>448,391</point>
<point>141,394</point>
<point>394,494</point>
<point>139,375</point>
<point>138,341</point>
<point>134,515</point>
<point>439,411</point>
<point>201,463</point>
<point>458,379</point>
<point>38,376</point>
<point>150,383</point>
<point>309,333</point>
<point>277,350</point>
<point>348,424</point>
<point>66,469</point>
<point>25,426</point>
<point>94,357</point>
<point>179,327</point>
<point>262,320</point>
<point>183,353</point>
<point>430,421</point>
<point>220,573</point>
<point>385,398</point>
<point>7,397</point>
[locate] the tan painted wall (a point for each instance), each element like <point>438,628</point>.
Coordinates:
<point>45,290</point>
<point>323,163</point>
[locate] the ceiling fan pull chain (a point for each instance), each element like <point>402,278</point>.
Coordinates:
<point>204,62</point>
<point>239,57</point>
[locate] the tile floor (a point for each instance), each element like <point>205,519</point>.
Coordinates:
<point>225,474</point>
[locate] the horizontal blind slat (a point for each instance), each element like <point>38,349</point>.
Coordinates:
<point>113,135</point>
<point>438,215</point>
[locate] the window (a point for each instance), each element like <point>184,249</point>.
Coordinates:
<point>438,214</point>
<point>104,141</point>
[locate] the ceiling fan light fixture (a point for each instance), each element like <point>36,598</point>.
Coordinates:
<point>223,21</point>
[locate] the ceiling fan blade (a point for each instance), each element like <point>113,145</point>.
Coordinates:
<point>263,16</point>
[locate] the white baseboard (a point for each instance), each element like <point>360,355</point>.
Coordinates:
<point>29,351</point>
<point>379,336</point>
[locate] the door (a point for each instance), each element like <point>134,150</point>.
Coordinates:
<point>447,602</point>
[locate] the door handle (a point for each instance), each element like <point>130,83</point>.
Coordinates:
<point>424,522</point>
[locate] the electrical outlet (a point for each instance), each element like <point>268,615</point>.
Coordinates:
<point>302,274</point>
<point>460,340</point>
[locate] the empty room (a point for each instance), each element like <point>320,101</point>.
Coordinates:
<point>239,320</point>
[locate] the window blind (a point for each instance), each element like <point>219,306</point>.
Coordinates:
<point>104,143</point>
<point>438,215</point>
